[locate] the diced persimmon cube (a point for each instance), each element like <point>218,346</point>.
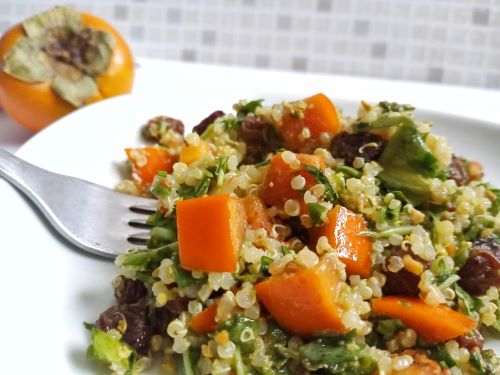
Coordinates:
<point>277,188</point>
<point>320,116</point>
<point>210,232</point>
<point>342,229</point>
<point>147,162</point>
<point>304,302</point>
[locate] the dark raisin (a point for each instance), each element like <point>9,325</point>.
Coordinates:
<point>163,315</point>
<point>159,125</point>
<point>252,132</point>
<point>137,328</point>
<point>481,271</point>
<point>206,122</point>
<point>128,291</point>
<point>348,146</point>
<point>471,340</point>
<point>402,283</point>
<point>458,171</point>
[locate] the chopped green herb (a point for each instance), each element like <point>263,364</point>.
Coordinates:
<point>320,178</point>
<point>317,212</point>
<point>160,191</point>
<point>407,229</point>
<point>265,261</point>
<point>286,250</point>
<point>249,107</point>
<point>187,363</point>
<point>221,169</point>
<point>348,171</point>
<point>199,190</point>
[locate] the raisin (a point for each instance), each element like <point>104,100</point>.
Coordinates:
<point>402,283</point>
<point>206,122</point>
<point>259,137</point>
<point>458,171</point>
<point>128,291</point>
<point>481,271</point>
<point>471,340</point>
<point>348,146</point>
<point>156,128</point>
<point>137,332</point>
<point>163,315</point>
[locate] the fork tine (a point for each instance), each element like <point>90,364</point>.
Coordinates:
<point>138,238</point>
<point>143,209</point>
<point>139,223</point>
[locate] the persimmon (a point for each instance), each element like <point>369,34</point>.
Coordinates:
<point>58,61</point>
<point>146,162</point>
<point>210,231</point>
<point>319,117</point>
<point>305,301</point>
<point>277,188</point>
<point>433,324</point>
<point>342,229</point>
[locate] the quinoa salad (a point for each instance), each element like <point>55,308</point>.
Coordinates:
<point>293,238</point>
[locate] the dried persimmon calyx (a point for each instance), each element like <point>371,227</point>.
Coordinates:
<point>59,49</point>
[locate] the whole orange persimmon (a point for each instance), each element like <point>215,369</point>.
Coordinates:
<point>60,60</point>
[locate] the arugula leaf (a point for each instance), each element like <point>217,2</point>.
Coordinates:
<point>440,354</point>
<point>320,178</point>
<point>467,305</point>
<point>112,351</point>
<point>160,236</point>
<point>395,107</point>
<point>336,355</point>
<point>145,261</point>
<point>446,280</point>
<point>495,205</point>
<point>236,326</point>
<point>406,160</point>
<point>183,278</point>
<point>388,327</point>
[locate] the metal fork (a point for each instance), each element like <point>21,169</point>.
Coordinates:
<point>92,217</point>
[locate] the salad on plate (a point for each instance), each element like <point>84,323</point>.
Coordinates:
<point>295,239</point>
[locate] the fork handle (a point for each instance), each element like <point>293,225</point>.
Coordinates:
<point>18,172</point>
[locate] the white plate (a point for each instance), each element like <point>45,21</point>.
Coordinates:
<point>48,288</point>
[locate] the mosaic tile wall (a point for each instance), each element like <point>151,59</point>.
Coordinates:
<point>451,41</point>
